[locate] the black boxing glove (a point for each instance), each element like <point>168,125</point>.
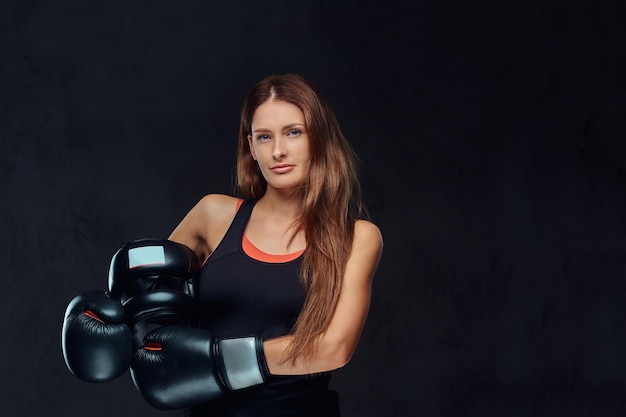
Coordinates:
<point>96,342</point>
<point>183,366</point>
<point>144,265</point>
<point>155,280</point>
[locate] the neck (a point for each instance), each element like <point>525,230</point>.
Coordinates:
<point>281,203</point>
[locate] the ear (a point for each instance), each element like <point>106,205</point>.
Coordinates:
<point>251,147</point>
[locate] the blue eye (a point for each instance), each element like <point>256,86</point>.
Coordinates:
<point>263,137</point>
<point>294,132</point>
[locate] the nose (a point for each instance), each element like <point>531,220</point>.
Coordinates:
<point>280,150</point>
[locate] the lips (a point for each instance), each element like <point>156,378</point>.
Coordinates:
<point>282,168</point>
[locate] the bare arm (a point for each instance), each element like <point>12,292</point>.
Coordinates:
<point>339,341</point>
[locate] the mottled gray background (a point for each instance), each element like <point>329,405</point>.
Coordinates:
<point>492,136</point>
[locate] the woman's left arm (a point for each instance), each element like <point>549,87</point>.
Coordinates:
<point>339,341</point>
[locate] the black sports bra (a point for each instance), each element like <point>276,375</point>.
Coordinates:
<point>241,295</point>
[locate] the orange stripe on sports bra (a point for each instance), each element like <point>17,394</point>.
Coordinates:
<point>256,253</point>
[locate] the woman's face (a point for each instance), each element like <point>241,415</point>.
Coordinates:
<point>280,144</point>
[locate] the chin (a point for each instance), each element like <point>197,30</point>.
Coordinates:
<point>284,186</point>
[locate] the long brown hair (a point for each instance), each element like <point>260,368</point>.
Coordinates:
<point>330,204</point>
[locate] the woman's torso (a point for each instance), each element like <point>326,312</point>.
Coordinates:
<point>245,292</point>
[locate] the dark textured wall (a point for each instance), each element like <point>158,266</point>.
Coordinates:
<point>493,146</point>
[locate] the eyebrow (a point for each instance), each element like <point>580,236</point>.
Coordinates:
<point>288,126</point>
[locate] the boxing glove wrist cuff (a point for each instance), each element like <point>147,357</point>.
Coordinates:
<point>242,362</point>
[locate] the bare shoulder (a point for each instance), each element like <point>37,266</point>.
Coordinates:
<point>218,206</point>
<point>367,247</point>
<point>367,236</point>
<point>218,211</point>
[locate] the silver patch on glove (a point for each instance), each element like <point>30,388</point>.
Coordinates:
<point>146,255</point>
<point>240,362</point>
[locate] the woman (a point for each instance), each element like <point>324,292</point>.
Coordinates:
<point>294,262</point>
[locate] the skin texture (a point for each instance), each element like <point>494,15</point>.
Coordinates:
<point>280,145</point>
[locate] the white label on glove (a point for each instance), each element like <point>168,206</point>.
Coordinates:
<point>145,256</point>
<point>241,363</point>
